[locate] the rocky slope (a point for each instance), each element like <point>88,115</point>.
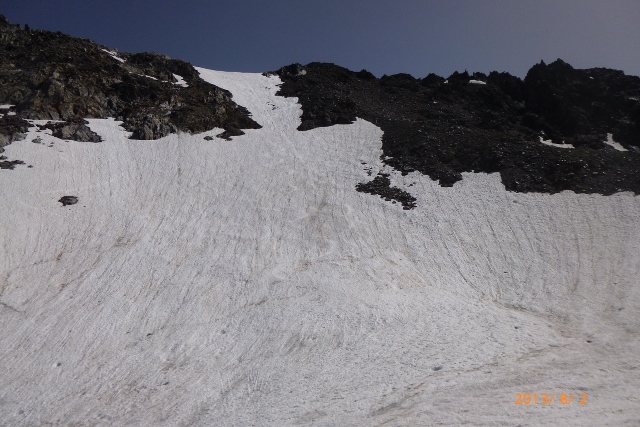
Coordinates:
<point>436,126</point>
<point>52,76</point>
<point>495,123</point>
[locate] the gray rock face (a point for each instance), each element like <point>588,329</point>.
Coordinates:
<point>52,76</point>
<point>152,127</point>
<point>75,129</point>
<point>12,128</point>
<point>480,123</point>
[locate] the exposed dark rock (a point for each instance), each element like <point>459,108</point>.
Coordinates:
<point>149,126</point>
<point>432,80</point>
<point>510,85</point>
<point>227,134</point>
<point>12,128</point>
<point>445,127</point>
<point>572,104</point>
<point>53,76</point>
<point>365,75</point>
<point>68,200</point>
<point>381,185</point>
<point>74,129</point>
<point>9,164</point>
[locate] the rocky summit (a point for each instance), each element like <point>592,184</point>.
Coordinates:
<point>52,76</point>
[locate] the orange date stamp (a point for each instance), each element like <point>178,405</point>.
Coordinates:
<point>549,399</point>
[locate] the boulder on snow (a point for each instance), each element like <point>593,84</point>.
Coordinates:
<point>68,200</point>
<point>75,130</point>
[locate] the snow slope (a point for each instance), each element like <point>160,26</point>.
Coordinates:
<point>246,282</point>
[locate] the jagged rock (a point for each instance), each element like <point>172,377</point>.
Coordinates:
<point>381,186</point>
<point>432,80</point>
<point>12,128</point>
<point>291,71</point>
<point>75,129</point>
<point>149,127</point>
<point>572,103</point>
<point>53,76</point>
<point>442,129</point>
<point>365,75</point>
<point>227,134</point>
<point>399,81</point>
<point>68,200</point>
<point>458,78</point>
<point>510,85</point>
<point>9,164</point>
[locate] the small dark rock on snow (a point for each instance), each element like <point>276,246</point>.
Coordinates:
<point>68,200</point>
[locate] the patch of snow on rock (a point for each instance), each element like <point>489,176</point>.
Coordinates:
<point>610,142</point>
<point>113,55</point>
<point>553,144</point>
<point>180,81</point>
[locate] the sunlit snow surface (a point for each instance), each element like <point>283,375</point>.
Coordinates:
<point>246,282</point>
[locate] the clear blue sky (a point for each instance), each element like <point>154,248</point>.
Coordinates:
<point>384,37</point>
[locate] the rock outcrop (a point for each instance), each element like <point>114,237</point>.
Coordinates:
<point>12,128</point>
<point>73,129</point>
<point>488,123</point>
<point>53,76</point>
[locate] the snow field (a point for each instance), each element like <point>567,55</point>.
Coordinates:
<point>246,282</point>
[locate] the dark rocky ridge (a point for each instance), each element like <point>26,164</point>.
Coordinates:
<point>442,128</point>
<point>53,76</point>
